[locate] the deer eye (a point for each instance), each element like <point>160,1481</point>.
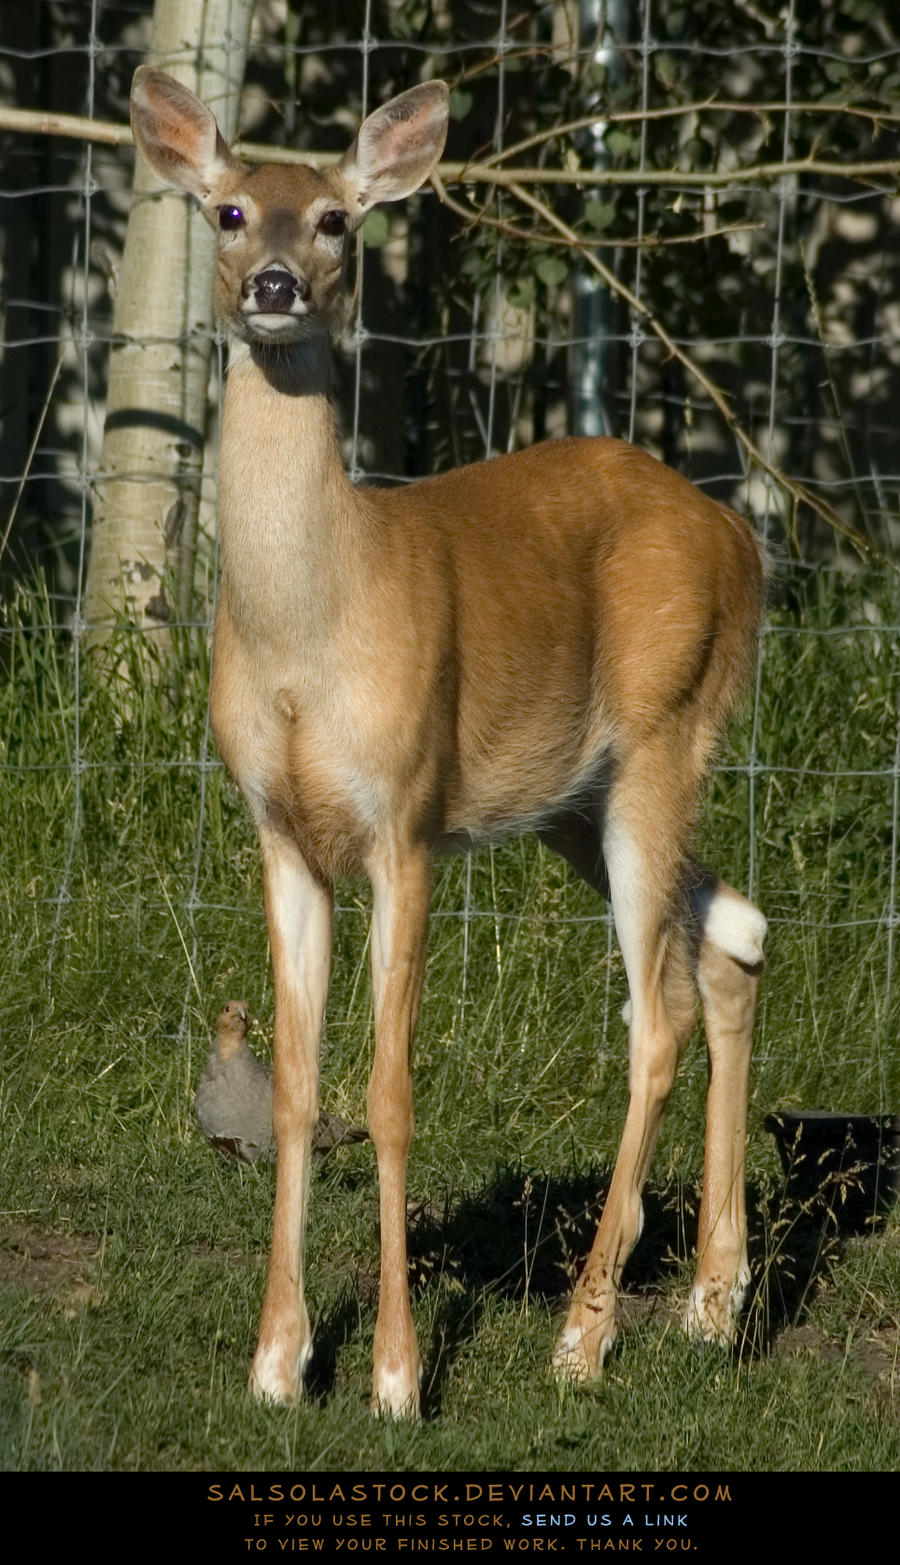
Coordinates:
<point>230,217</point>
<point>332,223</point>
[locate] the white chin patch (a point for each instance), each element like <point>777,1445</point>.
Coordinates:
<point>269,324</point>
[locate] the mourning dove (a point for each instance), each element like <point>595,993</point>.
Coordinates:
<point>233,1103</point>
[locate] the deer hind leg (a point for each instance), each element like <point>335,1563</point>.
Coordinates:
<point>399,936</point>
<point>643,859</point>
<point>729,953</point>
<point>299,914</point>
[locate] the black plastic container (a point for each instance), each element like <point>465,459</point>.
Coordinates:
<point>847,1165</point>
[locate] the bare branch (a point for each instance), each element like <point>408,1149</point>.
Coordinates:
<point>486,172</point>
<point>483,173</point>
<point>516,179</point>
<point>36,122</point>
<point>717,396</point>
<point>708,105</point>
<point>478,217</point>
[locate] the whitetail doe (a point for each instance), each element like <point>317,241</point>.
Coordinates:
<point>550,641</point>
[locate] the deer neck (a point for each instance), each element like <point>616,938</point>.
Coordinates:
<point>287,510</point>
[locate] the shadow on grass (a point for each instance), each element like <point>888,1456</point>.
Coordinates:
<point>792,1245</point>
<point>330,1333</point>
<point>526,1235</point>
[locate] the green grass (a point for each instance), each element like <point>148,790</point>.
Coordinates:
<point>132,1259</point>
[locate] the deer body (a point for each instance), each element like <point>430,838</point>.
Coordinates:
<point>507,690</point>
<point>548,641</point>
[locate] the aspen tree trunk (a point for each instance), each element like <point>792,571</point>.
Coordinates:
<point>148,487</point>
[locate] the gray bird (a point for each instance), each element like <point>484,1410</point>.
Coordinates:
<point>233,1103</point>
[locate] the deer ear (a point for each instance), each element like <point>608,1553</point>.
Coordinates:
<point>397,146</point>
<point>176,133</point>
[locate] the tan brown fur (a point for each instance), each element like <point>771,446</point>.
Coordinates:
<point>552,640</point>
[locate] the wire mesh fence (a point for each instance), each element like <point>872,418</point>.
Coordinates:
<point>485,318</point>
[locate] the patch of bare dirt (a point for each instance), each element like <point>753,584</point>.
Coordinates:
<point>44,1261</point>
<point>875,1351</point>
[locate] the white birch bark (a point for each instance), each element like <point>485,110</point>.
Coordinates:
<point>147,490</point>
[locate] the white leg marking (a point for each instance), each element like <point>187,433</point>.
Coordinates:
<point>266,1380</point>
<point>299,918</point>
<point>570,1359</point>
<point>392,1394</point>
<point>625,880</point>
<point>302,915</point>
<point>731,923</point>
<point>703,1318</point>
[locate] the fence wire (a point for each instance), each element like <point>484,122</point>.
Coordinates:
<point>474,363</point>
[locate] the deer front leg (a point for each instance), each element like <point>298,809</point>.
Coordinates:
<point>299,916</point>
<point>399,937</point>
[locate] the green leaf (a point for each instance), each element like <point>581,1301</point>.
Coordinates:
<point>666,68</point>
<point>619,142</point>
<point>473,264</point>
<point>521,293</point>
<point>859,10</point>
<point>376,230</point>
<point>551,269</point>
<point>599,214</point>
<point>460,103</point>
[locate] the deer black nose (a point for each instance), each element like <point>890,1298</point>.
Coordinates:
<point>275,290</point>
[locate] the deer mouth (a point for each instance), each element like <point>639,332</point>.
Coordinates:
<point>276,302</point>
